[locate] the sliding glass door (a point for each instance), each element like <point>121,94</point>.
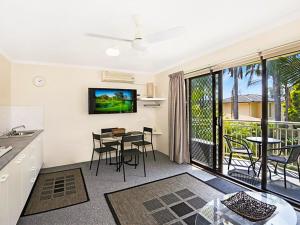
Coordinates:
<point>238,115</point>
<point>242,112</point>
<point>203,120</point>
<point>284,124</point>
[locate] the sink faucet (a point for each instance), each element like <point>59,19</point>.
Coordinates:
<point>13,130</point>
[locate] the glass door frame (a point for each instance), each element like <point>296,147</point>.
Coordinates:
<point>215,121</point>
<point>218,123</point>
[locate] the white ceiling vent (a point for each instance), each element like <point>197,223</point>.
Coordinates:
<point>111,76</point>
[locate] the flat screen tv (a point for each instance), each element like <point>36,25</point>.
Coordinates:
<point>108,100</point>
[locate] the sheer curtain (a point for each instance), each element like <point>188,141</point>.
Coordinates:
<point>178,133</point>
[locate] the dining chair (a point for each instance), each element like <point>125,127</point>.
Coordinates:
<point>112,143</point>
<point>293,157</point>
<point>100,150</point>
<point>132,152</point>
<point>146,130</point>
<point>239,146</point>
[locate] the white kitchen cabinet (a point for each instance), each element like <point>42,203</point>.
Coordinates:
<point>17,179</point>
<point>4,211</point>
<point>14,193</point>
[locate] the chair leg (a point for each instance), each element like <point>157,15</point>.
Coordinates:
<point>135,162</point>
<point>229,162</point>
<point>284,174</point>
<point>92,159</point>
<point>298,170</point>
<point>275,170</point>
<point>259,170</point>
<point>117,161</point>
<point>269,172</point>
<point>106,157</point>
<point>110,157</point>
<point>252,165</point>
<point>98,164</point>
<point>144,161</point>
<point>122,159</point>
<point>145,150</point>
<point>153,152</point>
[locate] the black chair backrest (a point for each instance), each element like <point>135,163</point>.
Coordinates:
<point>148,130</point>
<point>131,138</point>
<point>233,141</point>
<point>107,130</point>
<point>99,137</point>
<point>96,137</point>
<point>295,153</point>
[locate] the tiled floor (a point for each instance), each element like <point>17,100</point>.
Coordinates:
<point>96,210</point>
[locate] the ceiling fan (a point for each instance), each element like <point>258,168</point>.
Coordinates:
<point>140,41</point>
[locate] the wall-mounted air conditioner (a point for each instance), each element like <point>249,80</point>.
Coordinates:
<point>112,76</point>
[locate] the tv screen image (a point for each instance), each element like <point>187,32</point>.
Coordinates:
<point>106,100</point>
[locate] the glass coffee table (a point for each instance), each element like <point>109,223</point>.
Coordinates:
<point>214,212</point>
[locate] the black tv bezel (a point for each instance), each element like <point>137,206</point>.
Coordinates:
<point>91,92</point>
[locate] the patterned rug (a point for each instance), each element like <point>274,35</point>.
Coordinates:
<point>170,201</point>
<point>56,190</point>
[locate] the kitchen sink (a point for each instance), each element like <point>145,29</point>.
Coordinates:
<point>23,133</point>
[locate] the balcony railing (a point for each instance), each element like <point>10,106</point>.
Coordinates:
<point>287,132</point>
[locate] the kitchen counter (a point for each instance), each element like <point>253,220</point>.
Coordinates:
<point>18,144</point>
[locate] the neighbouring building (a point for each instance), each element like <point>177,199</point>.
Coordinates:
<point>249,107</point>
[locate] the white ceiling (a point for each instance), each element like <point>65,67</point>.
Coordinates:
<point>52,31</point>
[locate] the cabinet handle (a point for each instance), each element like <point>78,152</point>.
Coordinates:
<point>33,168</point>
<point>20,160</point>
<point>3,178</point>
<point>22,156</point>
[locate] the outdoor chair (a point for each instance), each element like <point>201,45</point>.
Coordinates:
<point>239,146</point>
<point>285,160</point>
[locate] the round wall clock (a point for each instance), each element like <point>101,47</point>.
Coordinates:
<point>39,81</point>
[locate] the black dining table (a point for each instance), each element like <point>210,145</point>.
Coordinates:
<point>117,138</point>
<point>258,140</point>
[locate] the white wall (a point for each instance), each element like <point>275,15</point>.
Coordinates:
<point>271,38</point>
<point>64,100</point>
<point>5,78</point>
<point>5,84</point>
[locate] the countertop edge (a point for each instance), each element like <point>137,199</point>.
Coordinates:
<point>18,144</point>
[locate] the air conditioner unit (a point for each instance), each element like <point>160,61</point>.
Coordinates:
<point>111,76</point>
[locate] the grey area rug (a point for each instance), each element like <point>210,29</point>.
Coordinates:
<point>56,190</point>
<point>173,201</point>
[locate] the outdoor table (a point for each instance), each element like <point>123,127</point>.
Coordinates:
<point>258,140</point>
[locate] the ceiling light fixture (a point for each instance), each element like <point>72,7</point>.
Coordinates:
<point>112,51</point>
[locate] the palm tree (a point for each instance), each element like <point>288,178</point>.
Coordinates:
<point>285,72</point>
<point>236,73</point>
<point>273,71</point>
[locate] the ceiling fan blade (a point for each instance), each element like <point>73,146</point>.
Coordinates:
<point>108,37</point>
<point>165,35</point>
